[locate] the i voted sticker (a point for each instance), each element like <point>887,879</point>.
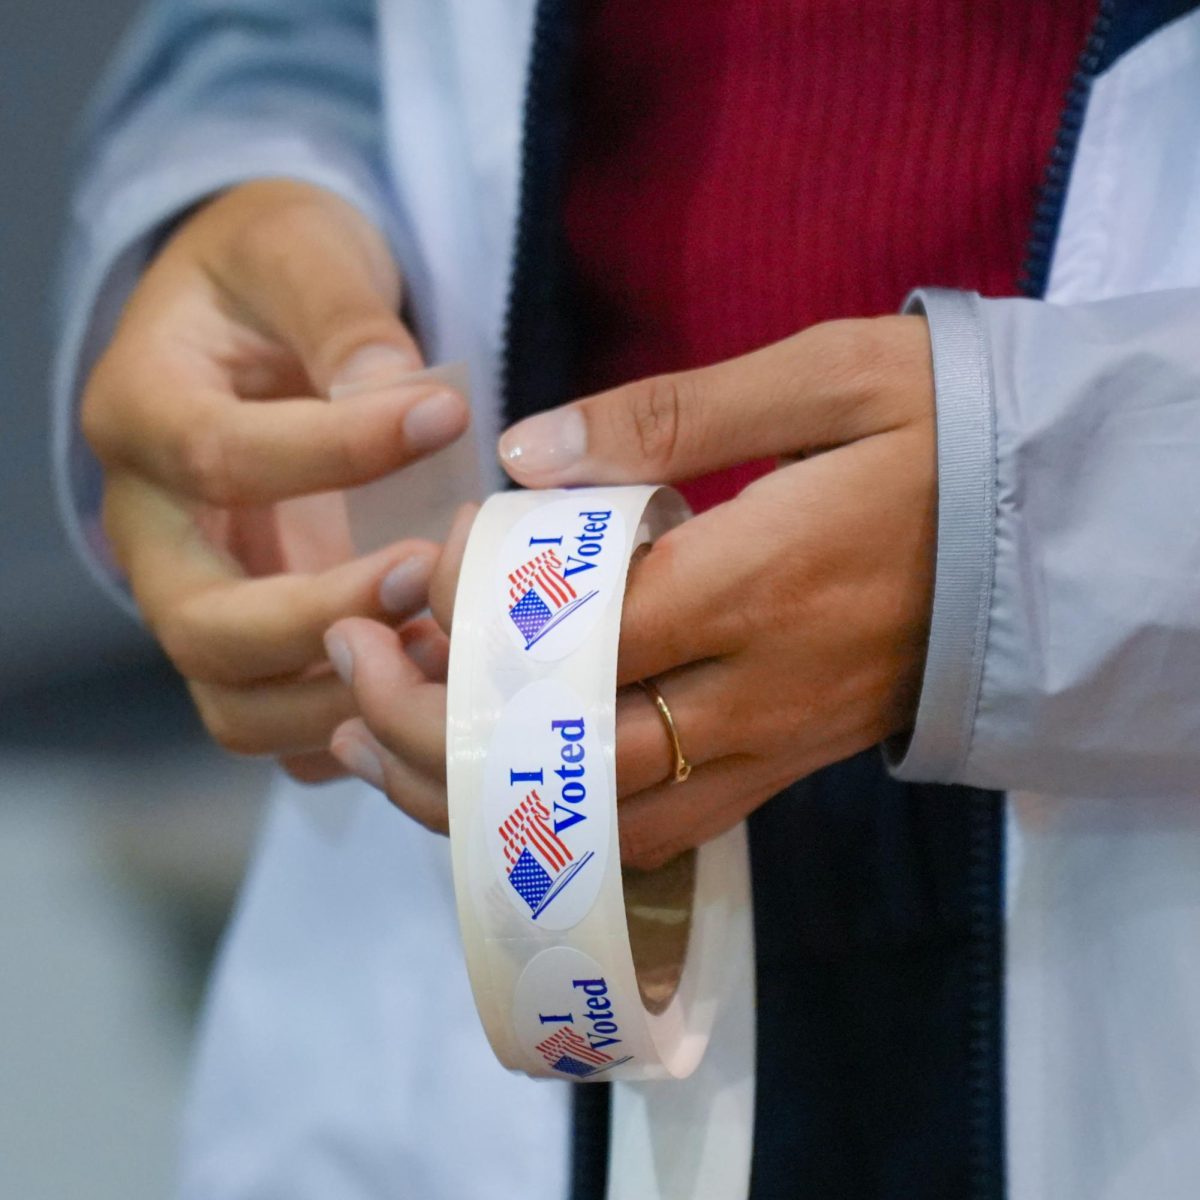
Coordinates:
<point>558,567</point>
<point>547,805</point>
<point>567,1018</point>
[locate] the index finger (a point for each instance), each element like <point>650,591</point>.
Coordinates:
<point>209,444</point>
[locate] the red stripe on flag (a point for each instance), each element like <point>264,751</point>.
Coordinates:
<point>513,845</point>
<point>541,571</point>
<point>570,590</point>
<point>549,843</point>
<point>513,830</point>
<point>529,824</point>
<point>567,1041</point>
<point>582,1049</point>
<point>552,586</point>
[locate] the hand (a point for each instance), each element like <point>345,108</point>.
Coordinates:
<point>786,629</point>
<point>210,412</point>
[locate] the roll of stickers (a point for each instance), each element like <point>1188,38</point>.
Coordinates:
<point>577,972</point>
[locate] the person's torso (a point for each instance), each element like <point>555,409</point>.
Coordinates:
<point>1128,222</point>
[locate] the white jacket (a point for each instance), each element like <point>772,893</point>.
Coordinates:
<point>1064,664</point>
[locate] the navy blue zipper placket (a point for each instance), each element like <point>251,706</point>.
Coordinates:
<point>1048,213</point>
<point>535,372</point>
<point>518,281</point>
<point>986,1154</point>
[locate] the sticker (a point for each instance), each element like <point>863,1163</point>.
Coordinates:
<point>547,804</point>
<point>566,1016</point>
<point>558,567</point>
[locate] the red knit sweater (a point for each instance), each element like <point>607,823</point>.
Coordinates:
<point>742,170</point>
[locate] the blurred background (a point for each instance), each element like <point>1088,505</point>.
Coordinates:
<point>123,834</point>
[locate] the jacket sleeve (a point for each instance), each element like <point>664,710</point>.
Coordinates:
<point>1064,650</point>
<point>204,94</point>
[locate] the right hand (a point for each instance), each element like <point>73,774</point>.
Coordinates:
<point>211,413</point>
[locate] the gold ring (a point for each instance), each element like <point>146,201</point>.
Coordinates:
<point>682,768</point>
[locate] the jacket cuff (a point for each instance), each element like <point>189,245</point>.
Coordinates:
<point>112,242</point>
<point>936,750</point>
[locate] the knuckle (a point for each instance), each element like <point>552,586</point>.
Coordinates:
<point>858,355</point>
<point>841,339</point>
<point>225,724</point>
<point>650,858</point>
<point>866,353</point>
<point>177,638</point>
<point>656,412</point>
<point>638,858</point>
<point>185,639</point>
<point>641,850</point>
<point>269,234</point>
<point>356,452</point>
<point>205,457</point>
<point>353,450</point>
<point>311,607</point>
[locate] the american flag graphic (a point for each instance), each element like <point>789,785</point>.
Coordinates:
<point>540,864</point>
<point>530,822</point>
<point>543,572</point>
<point>540,596</point>
<point>567,1051</point>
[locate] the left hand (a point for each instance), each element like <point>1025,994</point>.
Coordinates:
<point>786,628</point>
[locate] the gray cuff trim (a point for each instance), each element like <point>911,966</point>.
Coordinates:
<point>937,748</point>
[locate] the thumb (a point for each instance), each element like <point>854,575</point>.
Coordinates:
<point>823,387</point>
<point>317,275</point>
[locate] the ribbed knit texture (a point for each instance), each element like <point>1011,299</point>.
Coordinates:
<point>743,170</point>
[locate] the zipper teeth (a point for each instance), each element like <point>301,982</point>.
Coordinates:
<point>1048,213</point>
<point>534,103</point>
<point>985,970</point>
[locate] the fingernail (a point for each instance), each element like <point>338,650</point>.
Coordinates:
<point>403,590</point>
<point>549,442</point>
<point>340,656</point>
<point>359,759</point>
<point>373,366</point>
<point>435,420</point>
